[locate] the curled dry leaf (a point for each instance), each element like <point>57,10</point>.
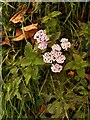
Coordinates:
<point>18,17</point>
<point>29,31</point>
<point>31,27</point>
<point>5,42</point>
<point>18,32</point>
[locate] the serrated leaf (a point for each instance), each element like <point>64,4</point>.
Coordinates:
<point>55,13</point>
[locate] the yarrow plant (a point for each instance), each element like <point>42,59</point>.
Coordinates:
<point>55,56</point>
<point>41,39</point>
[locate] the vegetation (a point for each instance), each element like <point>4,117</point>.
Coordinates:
<point>29,88</point>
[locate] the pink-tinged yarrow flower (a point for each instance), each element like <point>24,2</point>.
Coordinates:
<point>65,44</point>
<point>56,47</point>
<point>61,59</point>
<point>55,55</point>
<point>47,57</point>
<point>41,36</point>
<point>64,40</point>
<point>42,45</point>
<point>56,68</point>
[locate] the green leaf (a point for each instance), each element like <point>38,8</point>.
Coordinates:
<point>84,64</point>
<point>44,19</point>
<point>52,22</point>
<point>27,74</point>
<point>25,62</point>
<point>69,65</point>
<point>38,61</point>
<point>35,72</point>
<point>14,70</point>
<point>55,13</point>
<point>78,59</point>
<point>81,72</point>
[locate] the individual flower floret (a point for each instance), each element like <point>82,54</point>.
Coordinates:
<point>64,40</point>
<point>55,55</point>
<point>41,36</point>
<point>42,45</point>
<point>61,59</point>
<point>56,68</point>
<point>47,57</point>
<point>65,43</point>
<point>56,47</point>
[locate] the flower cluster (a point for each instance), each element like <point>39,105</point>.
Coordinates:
<point>41,39</point>
<point>55,56</point>
<point>65,44</point>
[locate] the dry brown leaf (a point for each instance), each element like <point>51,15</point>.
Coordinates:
<point>88,77</point>
<point>42,108</point>
<point>6,42</point>
<point>31,9</point>
<point>32,41</point>
<point>31,33</point>
<point>31,27</point>
<point>18,32</point>
<point>19,38</point>
<point>18,17</point>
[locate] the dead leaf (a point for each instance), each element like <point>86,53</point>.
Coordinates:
<point>29,32</point>
<point>42,108</point>
<point>32,41</point>
<point>87,76</point>
<point>19,38</point>
<point>31,9</point>
<point>31,27</point>
<point>18,32</point>
<point>18,17</point>
<point>6,42</point>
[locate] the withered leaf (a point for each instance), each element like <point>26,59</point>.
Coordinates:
<point>6,42</point>
<point>31,9</point>
<point>29,31</point>
<point>42,108</point>
<point>18,32</point>
<point>31,27</point>
<point>18,17</point>
<point>20,37</point>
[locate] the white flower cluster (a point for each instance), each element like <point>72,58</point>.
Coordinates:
<point>42,39</point>
<point>55,56</point>
<point>65,44</point>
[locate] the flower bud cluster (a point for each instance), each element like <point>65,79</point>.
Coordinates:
<point>41,39</point>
